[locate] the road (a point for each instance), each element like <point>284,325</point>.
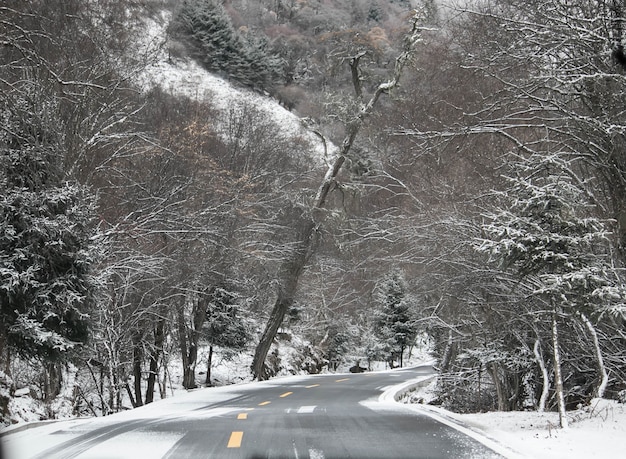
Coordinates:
<point>316,417</point>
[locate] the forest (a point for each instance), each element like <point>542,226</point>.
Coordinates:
<point>470,198</point>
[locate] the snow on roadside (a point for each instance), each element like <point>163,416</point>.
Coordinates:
<point>595,430</point>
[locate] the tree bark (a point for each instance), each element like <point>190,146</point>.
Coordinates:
<point>288,283</point>
<point>500,393</point>
<point>190,338</point>
<point>182,340</point>
<point>293,267</point>
<point>53,380</point>
<point>208,366</point>
<point>137,357</point>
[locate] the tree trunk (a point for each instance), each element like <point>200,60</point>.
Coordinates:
<point>190,338</point>
<point>137,358</point>
<point>544,374</point>
<point>154,359</point>
<point>604,379</point>
<point>53,380</point>
<point>497,382</point>
<point>289,277</point>
<point>294,266</point>
<point>182,340</point>
<point>130,396</point>
<point>449,353</point>
<point>208,367</point>
<point>558,378</point>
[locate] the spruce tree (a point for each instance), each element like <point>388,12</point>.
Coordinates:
<point>546,233</point>
<point>394,325</point>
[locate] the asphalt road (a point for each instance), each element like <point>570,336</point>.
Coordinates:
<point>318,417</point>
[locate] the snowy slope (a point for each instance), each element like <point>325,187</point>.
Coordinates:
<point>180,76</point>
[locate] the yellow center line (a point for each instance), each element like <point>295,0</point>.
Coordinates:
<point>286,394</point>
<point>264,403</point>
<point>342,380</point>
<point>235,440</point>
<point>242,416</point>
<point>312,386</point>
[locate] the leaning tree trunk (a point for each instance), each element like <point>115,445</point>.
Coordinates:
<point>293,267</point>
<point>289,276</point>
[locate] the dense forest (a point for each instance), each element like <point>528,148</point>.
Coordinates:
<point>470,198</point>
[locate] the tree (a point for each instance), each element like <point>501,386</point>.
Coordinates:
<point>225,327</point>
<point>221,48</point>
<point>394,325</point>
<point>47,232</point>
<point>294,265</point>
<point>545,232</point>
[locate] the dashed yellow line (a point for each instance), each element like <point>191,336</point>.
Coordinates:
<point>286,394</point>
<point>264,403</point>
<point>342,380</point>
<point>242,416</point>
<point>235,440</point>
<point>311,386</point>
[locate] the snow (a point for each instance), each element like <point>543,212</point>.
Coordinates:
<point>596,430</point>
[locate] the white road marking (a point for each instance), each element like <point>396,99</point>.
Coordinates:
<point>306,409</point>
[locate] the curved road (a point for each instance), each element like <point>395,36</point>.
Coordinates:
<point>316,417</point>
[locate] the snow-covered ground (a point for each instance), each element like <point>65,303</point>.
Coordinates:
<point>597,430</point>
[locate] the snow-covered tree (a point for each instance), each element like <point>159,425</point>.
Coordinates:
<point>545,231</point>
<point>394,324</point>
<point>46,233</point>
<point>225,325</point>
<point>221,48</point>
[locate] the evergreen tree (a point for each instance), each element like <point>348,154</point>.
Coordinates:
<point>46,289</point>
<point>222,49</point>
<point>225,326</point>
<point>395,326</point>
<point>545,232</point>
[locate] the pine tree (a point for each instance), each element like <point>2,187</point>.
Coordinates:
<point>225,326</point>
<point>395,326</point>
